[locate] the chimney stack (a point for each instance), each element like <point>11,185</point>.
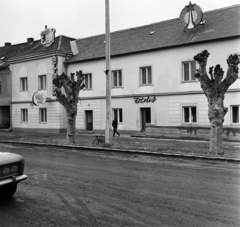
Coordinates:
<point>7,44</point>
<point>29,40</point>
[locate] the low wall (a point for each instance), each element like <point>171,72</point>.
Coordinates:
<point>198,133</point>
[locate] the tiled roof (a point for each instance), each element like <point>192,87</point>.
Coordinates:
<point>221,23</point>
<point>62,43</point>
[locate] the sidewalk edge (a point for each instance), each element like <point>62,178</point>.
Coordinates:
<point>187,156</point>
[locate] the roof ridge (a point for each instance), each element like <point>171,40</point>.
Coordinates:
<point>66,37</point>
<point>18,44</point>
<point>223,8</point>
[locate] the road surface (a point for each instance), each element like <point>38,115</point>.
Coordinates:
<point>71,188</point>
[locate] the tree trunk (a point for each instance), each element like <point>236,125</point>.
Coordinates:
<point>71,127</point>
<point>216,145</point>
<point>216,113</point>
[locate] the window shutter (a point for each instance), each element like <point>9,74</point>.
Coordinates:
<point>186,71</point>
<point>193,70</point>
<point>120,77</point>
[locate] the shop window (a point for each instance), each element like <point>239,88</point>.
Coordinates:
<point>189,71</point>
<point>117,78</point>
<point>23,84</point>
<point>235,114</point>
<point>146,75</point>
<point>189,114</point>
<point>43,115</point>
<point>118,114</point>
<point>42,82</point>
<point>24,115</point>
<point>88,81</point>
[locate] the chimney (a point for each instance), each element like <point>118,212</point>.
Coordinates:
<point>7,44</point>
<point>29,40</point>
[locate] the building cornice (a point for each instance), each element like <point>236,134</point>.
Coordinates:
<point>32,57</point>
<point>133,95</point>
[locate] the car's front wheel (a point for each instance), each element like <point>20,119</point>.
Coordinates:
<point>8,191</point>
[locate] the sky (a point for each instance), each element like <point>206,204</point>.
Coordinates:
<point>22,19</point>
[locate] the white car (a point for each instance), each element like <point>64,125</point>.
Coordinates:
<point>11,173</point>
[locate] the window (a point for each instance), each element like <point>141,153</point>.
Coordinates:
<point>117,78</point>
<point>146,75</point>
<point>235,114</point>
<point>118,114</point>
<point>189,114</point>
<point>23,84</point>
<point>42,82</point>
<point>0,87</point>
<point>189,71</point>
<point>88,81</point>
<point>43,115</point>
<point>24,115</point>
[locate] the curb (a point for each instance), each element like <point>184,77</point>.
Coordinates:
<point>185,156</point>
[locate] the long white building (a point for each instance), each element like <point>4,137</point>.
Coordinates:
<point>154,91</point>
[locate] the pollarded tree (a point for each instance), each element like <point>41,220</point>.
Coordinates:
<point>69,101</point>
<point>215,88</point>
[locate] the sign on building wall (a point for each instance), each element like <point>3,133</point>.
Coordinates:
<point>147,99</point>
<point>48,36</point>
<point>38,98</point>
<point>191,16</point>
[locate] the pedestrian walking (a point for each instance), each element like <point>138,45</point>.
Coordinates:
<point>115,125</point>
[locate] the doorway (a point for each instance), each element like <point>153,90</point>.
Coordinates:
<point>145,118</point>
<point>4,117</point>
<point>89,120</point>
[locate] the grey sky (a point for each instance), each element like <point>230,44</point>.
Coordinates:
<point>21,19</point>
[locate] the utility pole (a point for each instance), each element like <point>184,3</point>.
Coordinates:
<point>108,136</point>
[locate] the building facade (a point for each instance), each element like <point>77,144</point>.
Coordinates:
<point>31,72</point>
<point>154,90</point>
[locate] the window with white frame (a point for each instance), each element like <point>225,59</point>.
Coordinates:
<point>43,115</point>
<point>23,84</point>
<point>117,78</point>
<point>235,114</point>
<point>117,113</point>
<point>24,115</point>
<point>88,81</point>
<point>146,75</point>
<point>189,114</point>
<point>189,71</point>
<point>42,82</point>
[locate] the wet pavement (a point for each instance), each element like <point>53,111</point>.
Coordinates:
<point>85,188</point>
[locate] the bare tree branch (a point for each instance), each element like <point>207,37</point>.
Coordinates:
<point>232,73</point>
<point>201,74</point>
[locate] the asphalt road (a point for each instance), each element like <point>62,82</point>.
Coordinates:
<point>73,188</point>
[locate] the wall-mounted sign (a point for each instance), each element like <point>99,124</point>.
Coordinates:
<point>48,36</point>
<point>144,99</point>
<point>38,98</point>
<point>191,16</point>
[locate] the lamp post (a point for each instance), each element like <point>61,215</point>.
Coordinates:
<point>108,137</point>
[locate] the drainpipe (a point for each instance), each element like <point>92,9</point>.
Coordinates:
<point>10,74</point>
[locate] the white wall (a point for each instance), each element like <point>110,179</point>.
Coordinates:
<point>22,100</point>
<point>166,69</point>
<point>167,78</point>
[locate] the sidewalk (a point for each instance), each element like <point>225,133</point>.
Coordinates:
<point>125,143</point>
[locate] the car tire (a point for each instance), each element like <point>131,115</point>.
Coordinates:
<point>8,191</point>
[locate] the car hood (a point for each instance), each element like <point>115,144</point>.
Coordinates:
<point>6,157</point>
